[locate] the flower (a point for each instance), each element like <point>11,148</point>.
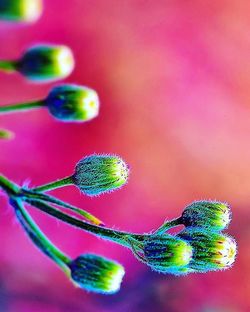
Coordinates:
<point>212,215</point>
<point>46,62</point>
<point>21,10</point>
<point>98,174</point>
<point>70,102</point>
<point>96,274</point>
<point>211,250</point>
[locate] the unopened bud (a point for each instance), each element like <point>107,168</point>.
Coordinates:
<point>164,252</point>
<point>21,10</point>
<point>211,250</point>
<point>97,174</point>
<point>70,102</point>
<point>97,274</point>
<point>212,215</point>
<point>45,63</point>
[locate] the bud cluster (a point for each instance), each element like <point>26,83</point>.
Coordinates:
<point>211,249</point>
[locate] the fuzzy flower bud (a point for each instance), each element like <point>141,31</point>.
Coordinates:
<point>97,174</point>
<point>97,274</point>
<point>45,63</point>
<point>21,10</point>
<point>163,252</point>
<point>73,103</point>
<point>212,251</point>
<point>207,214</point>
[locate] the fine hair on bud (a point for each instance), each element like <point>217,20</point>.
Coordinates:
<point>97,274</point>
<point>100,173</point>
<point>212,251</point>
<point>46,62</point>
<point>212,215</point>
<point>73,103</point>
<point>164,252</point>
<point>21,10</point>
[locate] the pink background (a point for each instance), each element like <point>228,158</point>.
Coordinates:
<point>174,82</point>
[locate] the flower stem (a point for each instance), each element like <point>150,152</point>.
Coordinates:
<point>54,185</point>
<point>8,66</point>
<point>168,225</point>
<point>46,198</point>
<point>119,237</point>
<point>21,106</point>
<point>37,236</point>
<point>9,187</point>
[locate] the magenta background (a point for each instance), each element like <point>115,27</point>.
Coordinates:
<point>173,79</point>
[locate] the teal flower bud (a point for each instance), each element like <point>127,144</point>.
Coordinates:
<point>163,252</point>
<point>97,174</point>
<point>207,214</point>
<point>212,251</point>
<point>70,102</point>
<point>97,274</point>
<point>45,63</point>
<point>21,10</point>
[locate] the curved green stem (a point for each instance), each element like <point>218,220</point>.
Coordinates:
<point>37,236</point>
<point>53,185</point>
<point>21,107</point>
<point>119,237</point>
<point>48,198</point>
<point>8,66</point>
<point>168,225</point>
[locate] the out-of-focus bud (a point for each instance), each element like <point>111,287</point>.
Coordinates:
<point>212,215</point>
<point>6,134</point>
<point>21,10</point>
<point>97,174</point>
<point>96,274</point>
<point>74,103</point>
<point>164,252</point>
<point>46,62</point>
<point>212,251</point>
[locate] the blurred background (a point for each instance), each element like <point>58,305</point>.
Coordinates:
<point>174,82</point>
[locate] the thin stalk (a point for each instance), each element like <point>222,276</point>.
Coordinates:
<point>54,185</point>
<point>46,198</point>
<point>168,225</point>
<point>8,66</point>
<point>21,106</point>
<point>119,237</point>
<point>37,236</point>
<point>9,187</point>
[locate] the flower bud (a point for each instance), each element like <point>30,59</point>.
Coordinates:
<point>45,63</point>
<point>163,252</point>
<point>97,174</point>
<point>207,214</point>
<point>73,103</point>
<point>97,274</point>
<point>212,251</point>
<point>21,10</point>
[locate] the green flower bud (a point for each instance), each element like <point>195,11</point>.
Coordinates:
<point>45,63</point>
<point>212,251</point>
<point>21,10</point>
<point>97,174</point>
<point>97,274</point>
<point>164,252</point>
<point>207,214</point>
<point>73,103</point>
